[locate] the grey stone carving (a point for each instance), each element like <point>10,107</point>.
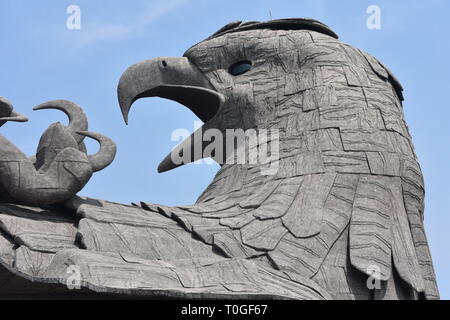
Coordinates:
<point>342,218</point>
<point>61,166</point>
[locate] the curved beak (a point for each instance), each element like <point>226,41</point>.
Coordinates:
<point>174,78</point>
<point>14,116</point>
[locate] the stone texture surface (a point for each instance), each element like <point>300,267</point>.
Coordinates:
<point>347,197</point>
<point>149,255</point>
<point>61,167</point>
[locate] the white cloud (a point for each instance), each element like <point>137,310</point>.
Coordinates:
<point>158,9</point>
<point>98,32</point>
<point>92,32</point>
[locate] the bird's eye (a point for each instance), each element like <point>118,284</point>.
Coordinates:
<point>240,67</point>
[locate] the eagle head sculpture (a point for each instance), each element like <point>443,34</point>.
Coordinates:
<point>345,204</point>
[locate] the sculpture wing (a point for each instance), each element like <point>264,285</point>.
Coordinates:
<point>294,222</point>
<point>116,249</point>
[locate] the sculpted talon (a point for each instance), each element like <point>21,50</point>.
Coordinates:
<point>61,167</point>
<point>105,156</point>
<point>77,118</point>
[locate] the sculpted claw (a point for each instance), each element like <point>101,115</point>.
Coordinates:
<point>61,167</point>
<point>105,155</point>
<point>77,118</point>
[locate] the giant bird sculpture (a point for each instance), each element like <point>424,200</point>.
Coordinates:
<point>341,217</point>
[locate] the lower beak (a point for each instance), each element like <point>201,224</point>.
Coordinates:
<point>16,117</point>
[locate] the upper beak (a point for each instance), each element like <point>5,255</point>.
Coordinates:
<point>174,78</point>
<point>14,116</point>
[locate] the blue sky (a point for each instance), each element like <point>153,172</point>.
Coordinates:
<point>42,60</point>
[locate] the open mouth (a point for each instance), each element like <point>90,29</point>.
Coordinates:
<point>172,78</point>
<point>177,79</point>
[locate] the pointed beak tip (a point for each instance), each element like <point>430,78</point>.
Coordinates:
<point>125,109</point>
<point>161,167</point>
<point>15,117</point>
<point>166,165</point>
